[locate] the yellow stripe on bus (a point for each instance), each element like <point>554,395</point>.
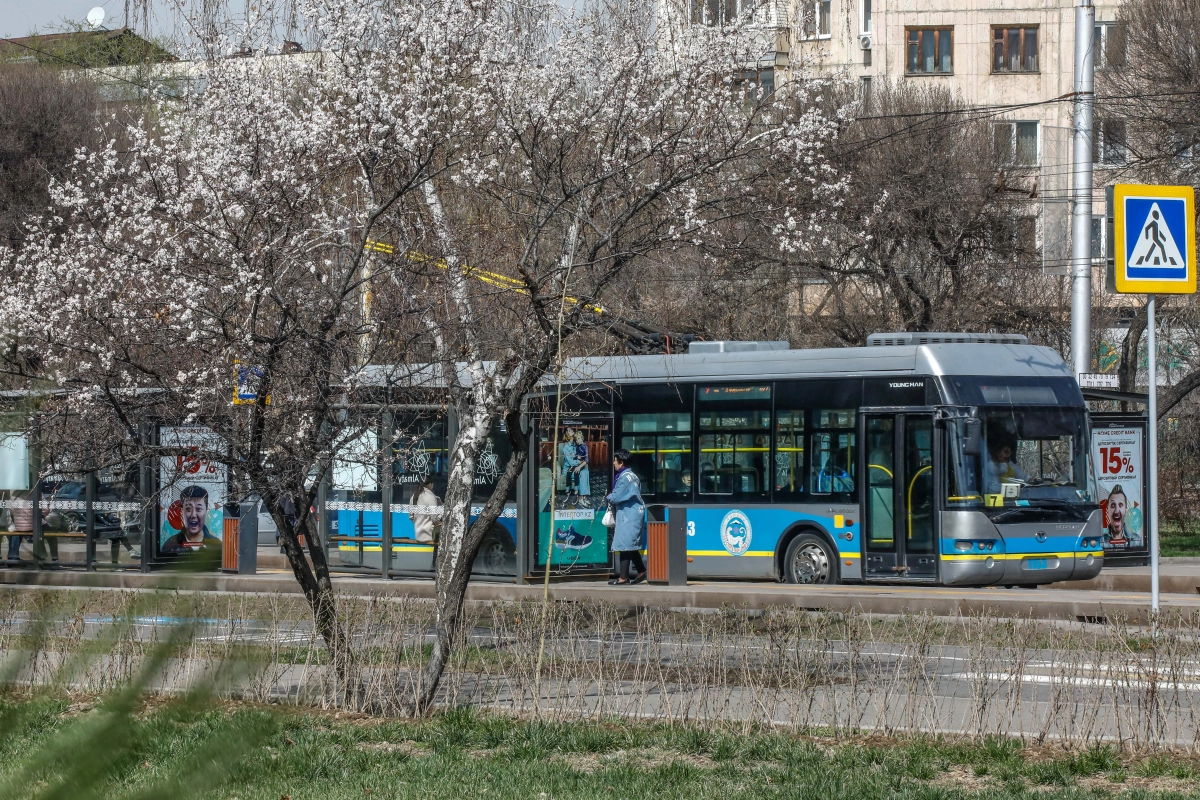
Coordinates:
<point>396,548</point>
<point>1014,556</point>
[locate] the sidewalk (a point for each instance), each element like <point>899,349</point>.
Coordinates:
<point>1175,575</point>
<point>1065,604</point>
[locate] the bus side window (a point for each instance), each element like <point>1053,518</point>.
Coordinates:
<point>789,455</point>
<point>832,463</point>
<point>661,449</point>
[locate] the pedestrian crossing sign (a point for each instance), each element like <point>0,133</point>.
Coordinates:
<point>1154,240</point>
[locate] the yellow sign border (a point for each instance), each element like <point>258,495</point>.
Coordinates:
<point>1119,282</point>
<point>237,400</point>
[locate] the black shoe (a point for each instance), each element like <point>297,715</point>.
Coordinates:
<point>641,578</point>
<point>618,582</point>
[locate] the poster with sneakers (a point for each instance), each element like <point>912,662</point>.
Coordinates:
<point>574,471</point>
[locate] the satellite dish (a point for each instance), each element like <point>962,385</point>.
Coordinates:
<point>95,17</point>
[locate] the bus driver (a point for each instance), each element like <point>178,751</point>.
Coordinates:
<point>1001,469</point>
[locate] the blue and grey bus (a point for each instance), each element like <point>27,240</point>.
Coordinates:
<point>954,459</point>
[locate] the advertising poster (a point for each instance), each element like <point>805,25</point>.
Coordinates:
<point>1120,483</point>
<point>192,492</point>
<point>584,477</point>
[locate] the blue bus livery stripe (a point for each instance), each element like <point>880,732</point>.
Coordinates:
<point>766,525</point>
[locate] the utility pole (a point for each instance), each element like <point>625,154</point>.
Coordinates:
<point>1081,173</point>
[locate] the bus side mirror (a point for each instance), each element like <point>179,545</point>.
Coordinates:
<point>972,443</point>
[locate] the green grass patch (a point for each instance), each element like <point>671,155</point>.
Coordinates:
<point>467,755</point>
<point>1175,541</point>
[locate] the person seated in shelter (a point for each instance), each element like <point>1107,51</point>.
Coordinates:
<point>1001,469</point>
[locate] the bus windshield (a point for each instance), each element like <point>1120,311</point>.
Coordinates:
<point>1019,456</point>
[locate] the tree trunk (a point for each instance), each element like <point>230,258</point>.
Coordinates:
<point>454,567</point>
<point>315,582</point>
<point>1130,348</point>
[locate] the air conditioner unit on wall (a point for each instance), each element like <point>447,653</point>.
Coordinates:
<point>864,41</point>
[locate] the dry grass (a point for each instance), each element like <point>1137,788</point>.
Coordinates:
<point>1049,683</point>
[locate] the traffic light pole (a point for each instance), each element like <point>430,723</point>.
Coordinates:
<point>1081,159</point>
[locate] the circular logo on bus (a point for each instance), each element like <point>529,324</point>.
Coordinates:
<point>735,533</point>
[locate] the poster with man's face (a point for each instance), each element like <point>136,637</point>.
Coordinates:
<point>1117,459</point>
<point>193,491</point>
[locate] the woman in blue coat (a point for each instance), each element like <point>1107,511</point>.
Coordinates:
<point>629,535</point>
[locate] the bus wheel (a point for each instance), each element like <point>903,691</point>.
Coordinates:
<point>496,554</point>
<point>809,560</point>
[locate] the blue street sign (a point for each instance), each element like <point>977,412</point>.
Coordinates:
<point>1154,247</point>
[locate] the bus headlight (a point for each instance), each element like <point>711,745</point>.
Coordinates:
<point>967,545</point>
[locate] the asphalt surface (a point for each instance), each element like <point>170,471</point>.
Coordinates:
<point>1124,604</point>
<point>1083,695</point>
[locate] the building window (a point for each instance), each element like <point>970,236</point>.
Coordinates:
<point>1015,144</point>
<point>1186,144</point>
<point>1108,45</point>
<point>1014,49</point>
<point>715,12</point>
<point>930,51</point>
<point>1027,243</point>
<point>865,22</point>
<point>758,83</point>
<point>817,21</point>
<point>1108,142</point>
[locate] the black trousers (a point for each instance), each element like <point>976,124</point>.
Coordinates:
<point>628,557</point>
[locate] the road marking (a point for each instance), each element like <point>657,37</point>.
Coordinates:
<point>1074,680</point>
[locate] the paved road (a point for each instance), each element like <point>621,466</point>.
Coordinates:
<point>1083,694</point>
<point>1063,604</point>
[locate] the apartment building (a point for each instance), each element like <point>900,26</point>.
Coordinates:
<point>1015,58</point>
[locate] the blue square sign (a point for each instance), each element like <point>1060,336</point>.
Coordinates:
<point>1154,239</point>
<point>1153,230</point>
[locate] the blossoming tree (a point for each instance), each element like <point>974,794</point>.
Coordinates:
<point>238,224</point>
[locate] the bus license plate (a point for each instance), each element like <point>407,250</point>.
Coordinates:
<point>1035,563</point>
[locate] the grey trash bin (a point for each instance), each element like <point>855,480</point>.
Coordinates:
<point>247,538</point>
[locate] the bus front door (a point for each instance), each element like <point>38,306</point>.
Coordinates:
<point>900,536</point>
